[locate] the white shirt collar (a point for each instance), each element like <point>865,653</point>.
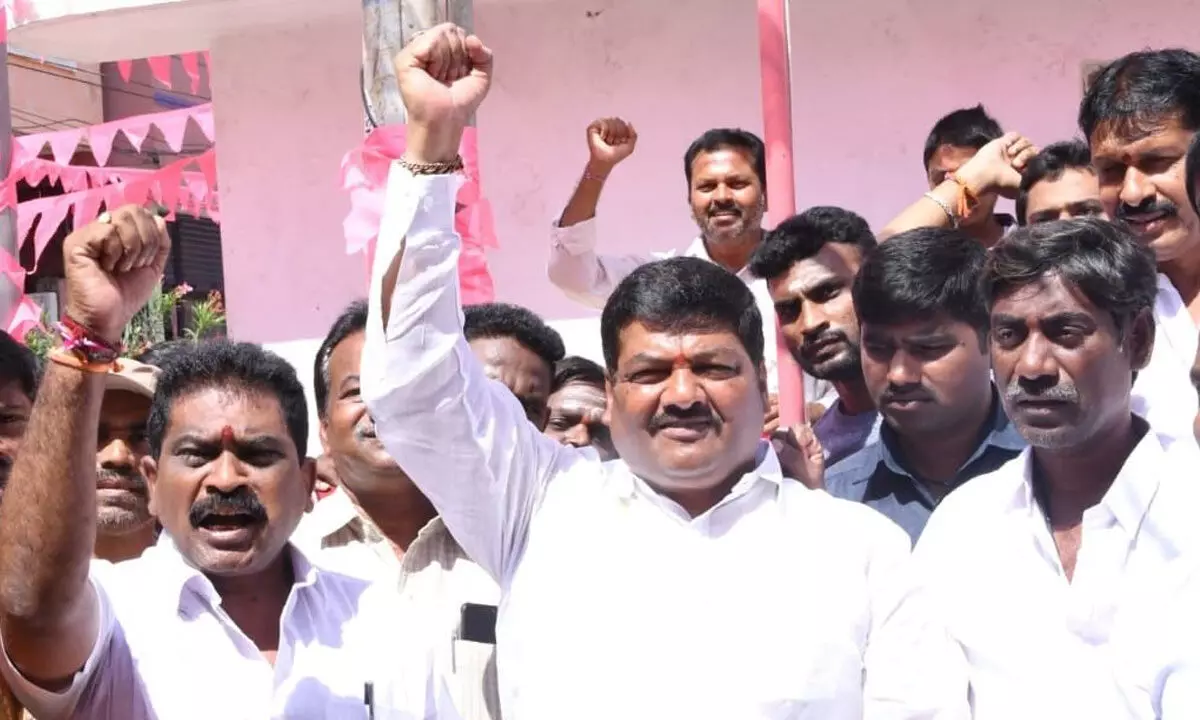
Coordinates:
<point>176,574</point>
<point>1128,498</point>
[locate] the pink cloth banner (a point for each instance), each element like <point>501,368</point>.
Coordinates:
<point>364,176</point>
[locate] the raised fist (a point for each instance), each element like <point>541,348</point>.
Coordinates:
<point>610,140</point>
<point>113,265</point>
<point>996,168</point>
<point>443,75</point>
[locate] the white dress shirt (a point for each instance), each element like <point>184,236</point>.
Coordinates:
<point>435,579</point>
<point>1163,392</point>
<point>166,649</point>
<point>779,602</point>
<point>589,278</point>
<point>1037,645</point>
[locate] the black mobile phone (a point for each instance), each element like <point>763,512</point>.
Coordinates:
<point>477,623</point>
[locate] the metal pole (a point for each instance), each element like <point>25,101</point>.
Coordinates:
<point>10,295</point>
<point>777,130</point>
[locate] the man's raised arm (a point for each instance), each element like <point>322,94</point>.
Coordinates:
<point>462,438</point>
<point>50,616</point>
<point>575,267</point>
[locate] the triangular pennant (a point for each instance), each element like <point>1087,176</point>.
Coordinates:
<point>31,145</point>
<point>191,66</point>
<point>100,138</point>
<point>125,68</point>
<point>207,162</point>
<point>160,68</point>
<point>136,129</point>
<point>172,125</point>
<point>35,173</point>
<point>52,216</point>
<point>87,207</point>
<point>28,315</point>
<point>170,185</point>
<point>203,115</point>
<point>137,191</point>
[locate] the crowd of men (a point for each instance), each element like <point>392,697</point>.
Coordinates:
<point>990,513</point>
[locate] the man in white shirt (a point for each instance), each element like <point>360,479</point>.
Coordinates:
<point>223,589</point>
<point>392,533</point>
<point>688,578</point>
<point>1048,570</point>
<point>1138,116</point>
<point>726,171</point>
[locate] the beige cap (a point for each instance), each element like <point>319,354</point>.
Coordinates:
<point>133,376</point>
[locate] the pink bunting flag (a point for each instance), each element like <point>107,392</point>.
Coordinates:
<point>87,207</point>
<point>53,214</point>
<point>125,68</point>
<point>136,130</point>
<point>172,125</point>
<point>100,138</point>
<point>160,68</point>
<point>27,317</point>
<point>27,213</point>
<point>137,192</point>
<point>191,66</point>
<point>207,162</point>
<point>31,145</point>
<point>63,144</point>
<point>203,116</point>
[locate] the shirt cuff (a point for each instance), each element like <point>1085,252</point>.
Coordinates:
<point>44,703</point>
<point>575,239</point>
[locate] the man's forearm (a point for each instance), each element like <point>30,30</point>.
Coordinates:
<point>48,518</point>
<point>584,201</point>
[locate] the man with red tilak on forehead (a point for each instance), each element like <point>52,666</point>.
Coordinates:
<point>690,578</point>
<point>223,587</point>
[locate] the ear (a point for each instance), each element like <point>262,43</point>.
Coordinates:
<point>324,432</point>
<point>308,475</point>
<point>1139,340</point>
<point>150,472</point>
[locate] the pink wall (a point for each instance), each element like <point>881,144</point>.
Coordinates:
<point>871,77</point>
<point>285,115</point>
<point>673,69</point>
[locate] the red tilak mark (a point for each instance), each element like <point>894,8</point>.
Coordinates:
<point>226,435</point>
<point>681,361</point>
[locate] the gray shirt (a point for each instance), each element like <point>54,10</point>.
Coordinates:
<point>841,435</point>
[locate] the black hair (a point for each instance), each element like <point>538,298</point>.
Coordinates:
<point>969,128</point>
<point>1138,92</point>
<point>1049,164</point>
<point>722,138</point>
<point>18,362</point>
<point>501,320</point>
<point>919,274</point>
<point>1191,173</point>
<point>162,353</point>
<point>679,295</point>
<point>802,236</point>
<point>1103,260</point>
<point>352,320</point>
<point>226,365</point>
<point>575,369</point>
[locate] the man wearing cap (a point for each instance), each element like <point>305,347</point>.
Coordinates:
<point>124,525</point>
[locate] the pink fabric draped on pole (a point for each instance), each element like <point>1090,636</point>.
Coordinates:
<point>364,176</point>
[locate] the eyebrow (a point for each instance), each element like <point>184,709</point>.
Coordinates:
<point>259,443</point>
<point>720,354</point>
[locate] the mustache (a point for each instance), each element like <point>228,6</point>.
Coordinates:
<point>130,477</point>
<point>670,417</point>
<point>895,393</point>
<point>825,336</point>
<point>239,502</point>
<point>717,207</point>
<point>1151,206</point>
<point>1066,393</point>
<point>365,431</point>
